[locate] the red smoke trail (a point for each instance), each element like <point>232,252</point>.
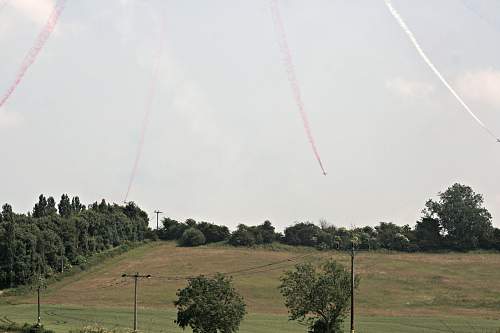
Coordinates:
<point>149,105</point>
<point>30,58</point>
<point>290,69</point>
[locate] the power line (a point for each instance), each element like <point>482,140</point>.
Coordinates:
<point>241,272</point>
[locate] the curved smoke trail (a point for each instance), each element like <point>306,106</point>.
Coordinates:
<point>149,105</point>
<point>292,78</point>
<point>30,58</point>
<point>426,59</point>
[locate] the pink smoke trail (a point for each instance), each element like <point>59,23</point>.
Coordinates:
<point>292,78</point>
<point>30,58</point>
<point>149,105</point>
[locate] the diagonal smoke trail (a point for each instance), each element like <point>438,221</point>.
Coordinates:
<point>35,50</point>
<point>149,105</point>
<point>292,78</point>
<point>421,52</point>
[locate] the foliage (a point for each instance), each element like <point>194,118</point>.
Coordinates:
<point>318,298</point>
<point>26,328</point>
<point>393,237</point>
<point>305,233</point>
<point>213,233</point>
<point>174,230</point>
<point>192,237</point>
<point>429,234</point>
<point>463,221</point>
<point>209,305</point>
<point>50,240</point>
<point>243,236</point>
<point>457,221</point>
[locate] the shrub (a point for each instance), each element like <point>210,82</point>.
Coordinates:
<point>242,237</point>
<point>212,232</point>
<point>192,237</point>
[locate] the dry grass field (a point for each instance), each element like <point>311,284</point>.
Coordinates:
<point>393,285</point>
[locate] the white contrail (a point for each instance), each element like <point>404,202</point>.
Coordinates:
<point>420,51</point>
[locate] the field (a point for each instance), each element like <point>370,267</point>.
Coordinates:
<point>398,292</point>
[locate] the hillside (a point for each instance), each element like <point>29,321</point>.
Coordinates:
<point>396,288</point>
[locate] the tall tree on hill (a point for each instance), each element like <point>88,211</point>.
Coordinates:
<point>76,206</point>
<point>40,207</point>
<point>465,223</point>
<point>64,206</point>
<point>7,214</point>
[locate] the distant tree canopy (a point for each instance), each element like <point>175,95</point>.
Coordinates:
<point>457,221</point>
<point>254,235</point>
<point>174,230</point>
<point>49,238</point>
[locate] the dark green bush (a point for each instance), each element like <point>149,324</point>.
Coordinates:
<point>192,237</point>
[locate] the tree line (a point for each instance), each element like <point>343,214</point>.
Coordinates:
<point>457,221</point>
<point>53,237</point>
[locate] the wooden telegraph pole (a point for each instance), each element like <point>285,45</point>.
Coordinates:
<point>157,212</point>
<point>136,277</point>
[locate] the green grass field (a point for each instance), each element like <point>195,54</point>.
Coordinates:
<point>398,293</point>
<point>64,318</point>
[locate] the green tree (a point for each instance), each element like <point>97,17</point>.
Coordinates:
<point>392,236</point>
<point>76,206</point>
<point>304,233</point>
<point>64,206</point>
<point>172,229</point>
<point>7,214</point>
<point>45,241</point>
<point>318,298</point>
<point>40,207</point>
<point>465,223</point>
<point>213,233</point>
<point>243,236</point>
<point>209,305</point>
<point>192,237</point>
<point>429,234</point>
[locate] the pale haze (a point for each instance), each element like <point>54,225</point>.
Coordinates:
<point>225,142</point>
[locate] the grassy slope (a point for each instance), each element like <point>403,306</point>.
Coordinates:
<point>396,291</point>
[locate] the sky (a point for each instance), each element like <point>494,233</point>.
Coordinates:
<point>225,142</point>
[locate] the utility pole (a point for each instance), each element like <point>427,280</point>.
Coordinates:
<point>62,259</point>
<point>39,318</point>
<point>157,212</point>
<point>39,284</point>
<point>136,277</point>
<point>352,286</point>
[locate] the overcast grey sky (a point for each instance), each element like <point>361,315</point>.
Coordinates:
<point>225,141</point>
